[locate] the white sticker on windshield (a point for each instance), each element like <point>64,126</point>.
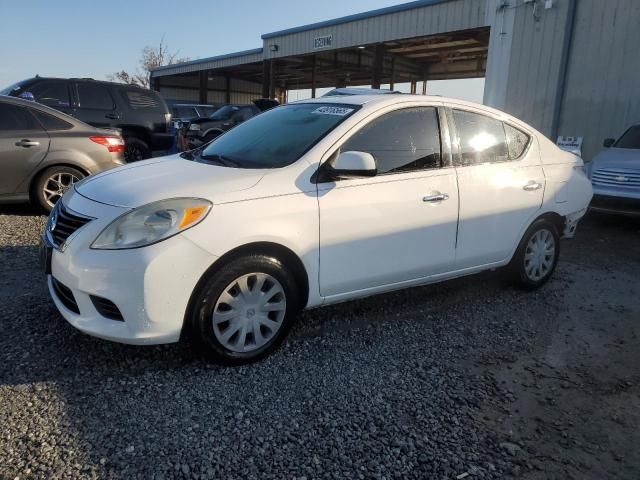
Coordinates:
<point>340,111</point>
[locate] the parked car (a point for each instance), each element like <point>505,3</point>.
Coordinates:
<point>140,113</point>
<point>184,113</point>
<point>203,130</point>
<point>309,204</point>
<point>44,152</point>
<point>338,92</point>
<point>615,175</point>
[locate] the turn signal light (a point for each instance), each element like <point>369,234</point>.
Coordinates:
<point>113,144</point>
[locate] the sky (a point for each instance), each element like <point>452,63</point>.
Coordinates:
<point>74,38</point>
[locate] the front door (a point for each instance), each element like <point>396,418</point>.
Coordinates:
<point>501,186</point>
<point>23,145</point>
<point>392,227</point>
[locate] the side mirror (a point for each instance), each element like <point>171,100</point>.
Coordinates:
<point>350,165</point>
<point>608,142</point>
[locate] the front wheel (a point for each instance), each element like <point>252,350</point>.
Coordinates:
<point>244,310</point>
<point>537,255</point>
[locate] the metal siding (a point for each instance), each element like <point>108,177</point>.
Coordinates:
<point>602,96</point>
<point>438,18</point>
<point>207,64</point>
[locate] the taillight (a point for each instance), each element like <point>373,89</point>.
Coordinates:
<point>113,144</point>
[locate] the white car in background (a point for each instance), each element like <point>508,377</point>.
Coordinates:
<point>305,205</point>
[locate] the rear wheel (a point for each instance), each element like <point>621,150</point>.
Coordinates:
<point>537,255</point>
<point>53,183</point>
<point>244,310</point>
<point>136,149</point>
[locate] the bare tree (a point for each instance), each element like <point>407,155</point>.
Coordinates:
<point>151,57</point>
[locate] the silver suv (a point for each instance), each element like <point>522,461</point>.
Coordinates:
<point>43,152</point>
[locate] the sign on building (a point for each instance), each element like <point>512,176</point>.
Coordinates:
<point>570,144</point>
<point>323,42</point>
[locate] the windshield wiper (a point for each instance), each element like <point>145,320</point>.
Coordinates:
<point>221,159</point>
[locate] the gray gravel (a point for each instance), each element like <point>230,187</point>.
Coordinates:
<point>396,386</point>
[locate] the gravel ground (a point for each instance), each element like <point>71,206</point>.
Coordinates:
<point>469,378</point>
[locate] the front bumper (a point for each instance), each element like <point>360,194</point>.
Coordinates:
<point>150,286</point>
<point>615,205</point>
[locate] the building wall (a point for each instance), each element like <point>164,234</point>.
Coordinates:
<point>602,95</point>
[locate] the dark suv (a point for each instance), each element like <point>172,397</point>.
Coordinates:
<point>140,113</point>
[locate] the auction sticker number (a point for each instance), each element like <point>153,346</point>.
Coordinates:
<point>340,111</point>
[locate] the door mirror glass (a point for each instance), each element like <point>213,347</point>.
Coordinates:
<point>608,142</point>
<point>354,165</point>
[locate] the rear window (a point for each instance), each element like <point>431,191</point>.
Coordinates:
<point>630,138</point>
<point>139,99</point>
<point>50,122</point>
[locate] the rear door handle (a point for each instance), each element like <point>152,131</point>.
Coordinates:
<point>27,143</point>
<point>532,185</point>
<point>112,116</point>
<point>435,197</point>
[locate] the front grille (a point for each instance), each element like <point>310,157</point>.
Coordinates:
<point>106,308</point>
<point>616,177</point>
<point>65,295</point>
<point>65,223</point>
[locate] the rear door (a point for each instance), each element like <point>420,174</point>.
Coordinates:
<point>23,145</point>
<point>95,104</point>
<point>389,228</point>
<point>501,185</point>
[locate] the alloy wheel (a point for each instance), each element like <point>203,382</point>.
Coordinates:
<point>249,312</point>
<point>56,186</point>
<point>539,254</point>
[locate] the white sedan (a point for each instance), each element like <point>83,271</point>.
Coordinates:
<point>305,205</point>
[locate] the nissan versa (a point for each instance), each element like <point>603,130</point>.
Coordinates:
<point>308,204</point>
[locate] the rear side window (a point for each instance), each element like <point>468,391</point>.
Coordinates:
<point>14,117</point>
<point>184,112</point>
<point>50,122</point>
<point>95,96</point>
<point>51,93</point>
<point>517,141</point>
<point>400,141</point>
<point>481,139</point>
<point>139,99</point>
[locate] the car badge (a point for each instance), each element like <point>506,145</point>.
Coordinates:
<point>621,178</point>
<point>53,220</point>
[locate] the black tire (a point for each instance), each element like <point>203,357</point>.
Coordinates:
<point>200,322</point>
<point>43,186</point>
<point>518,265</point>
<point>136,149</point>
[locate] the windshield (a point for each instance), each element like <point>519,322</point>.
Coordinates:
<point>12,89</point>
<point>630,138</point>
<point>275,138</point>
<point>224,113</point>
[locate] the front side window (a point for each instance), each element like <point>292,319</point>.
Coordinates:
<point>481,139</point>
<point>14,117</point>
<point>630,138</point>
<point>52,93</point>
<point>400,141</point>
<point>94,96</point>
<point>275,138</point>
<point>225,113</point>
<point>185,112</point>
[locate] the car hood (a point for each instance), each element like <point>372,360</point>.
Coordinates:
<point>148,181</point>
<point>626,158</point>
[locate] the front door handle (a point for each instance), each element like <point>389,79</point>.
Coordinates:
<point>27,143</point>
<point>435,197</point>
<point>532,185</point>
<point>112,116</point>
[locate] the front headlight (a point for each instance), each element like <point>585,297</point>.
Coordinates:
<point>152,223</point>
<point>194,127</point>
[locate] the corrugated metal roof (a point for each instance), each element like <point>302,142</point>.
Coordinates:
<point>194,65</point>
<point>358,16</point>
